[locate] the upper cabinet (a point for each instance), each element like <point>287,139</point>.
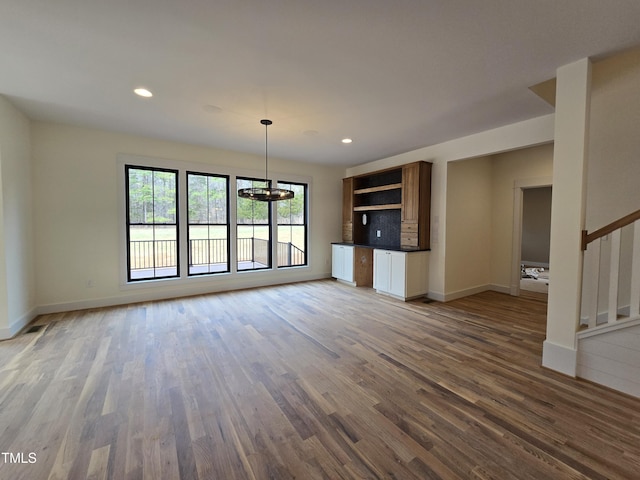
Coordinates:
<point>378,191</point>
<point>347,209</point>
<point>416,205</point>
<point>388,207</point>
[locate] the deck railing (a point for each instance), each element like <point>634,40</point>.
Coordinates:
<point>289,254</point>
<point>208,251</point>
<point>152,253</point>
<point>146,254</point>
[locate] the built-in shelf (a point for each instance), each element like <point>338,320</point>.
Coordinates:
<point>368,208</point>
<point>381,188</point>
<point>388,207</point>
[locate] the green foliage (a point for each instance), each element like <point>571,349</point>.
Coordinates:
<point>249,211</point>
<point>207,199</point>
<point>292,211</point>
<point>152,196</point>
<point>153,200</point>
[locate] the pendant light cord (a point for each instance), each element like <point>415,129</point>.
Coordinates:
<point>266,193</point>
<point>266,156</point>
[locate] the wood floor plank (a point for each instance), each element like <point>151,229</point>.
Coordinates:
<point>314,380</point>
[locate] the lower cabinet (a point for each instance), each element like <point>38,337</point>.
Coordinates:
<point>403,275</point>
<point>342,263</point>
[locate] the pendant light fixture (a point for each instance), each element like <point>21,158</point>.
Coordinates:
<point>266,193</point>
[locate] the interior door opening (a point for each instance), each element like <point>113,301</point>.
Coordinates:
<point>535,239</point>
<point>531,270</point>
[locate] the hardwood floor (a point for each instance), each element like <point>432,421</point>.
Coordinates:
<point>309,381</point>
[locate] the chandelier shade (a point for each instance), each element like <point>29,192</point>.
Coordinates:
<point>267,193</point>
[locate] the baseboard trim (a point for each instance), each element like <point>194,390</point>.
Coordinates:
<point>500,288</point>
<point>466,292</point>
<point>559,358</point>
<point>18,324</point>
<point>447,297</point>
<point>152,295</point>
<point>436,296</point>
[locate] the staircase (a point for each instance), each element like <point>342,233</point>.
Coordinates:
<point>608,338</point>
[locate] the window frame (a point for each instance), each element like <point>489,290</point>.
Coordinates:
<point>261,182</point>
<point>305,223</point>
<point>199,283</point>
<point>128,223</point>
<point>227,224</point>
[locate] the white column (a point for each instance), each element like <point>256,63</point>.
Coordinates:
<point>573,91</point>
<point>5,327</point>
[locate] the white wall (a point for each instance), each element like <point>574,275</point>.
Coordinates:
<point>613,163</point>
<point>519,166</point>
<point>614,142</point>
<point>78,222</point>
<point>17,285</point>
<point>480,217</point>
<point>528,133</point>
<point>468,265</point>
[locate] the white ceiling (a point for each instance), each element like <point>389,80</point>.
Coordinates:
<point>393,75</point>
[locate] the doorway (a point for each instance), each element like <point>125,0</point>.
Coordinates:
<point>536,239</point>
<point>531,233</point>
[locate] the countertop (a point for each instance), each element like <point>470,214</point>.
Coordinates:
<point>395,248</point>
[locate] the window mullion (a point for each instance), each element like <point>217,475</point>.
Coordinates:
<point>182,224</point>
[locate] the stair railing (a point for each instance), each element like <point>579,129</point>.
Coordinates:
<point>629,252</point>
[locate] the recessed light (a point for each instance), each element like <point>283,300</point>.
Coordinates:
<point>346,140</point>
<point>143,92</point>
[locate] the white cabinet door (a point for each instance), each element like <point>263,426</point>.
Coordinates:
<point>397,277</point>
<point>401,274</point>
<point>389,272</point>
<point>381,270</point>
<point>347,272</point>
<point>337,261</point>
<point>342,262</point>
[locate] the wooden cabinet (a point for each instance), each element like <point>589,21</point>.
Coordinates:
<point>411,192</point>
<point>388,207</point>
<point>353,265</point>
<point>363,266</point>
<point>404,275</point>
<point>416,205</point>
<point>347,209</point>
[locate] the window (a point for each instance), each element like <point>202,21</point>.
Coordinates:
<point>152,223</point>
<point>253,250</point>
<point>183,223</point>
<point>208,226</point>
<point>292,226</point>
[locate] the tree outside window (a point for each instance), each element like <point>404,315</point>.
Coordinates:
<point>208,228</point>
<point>292,226</point>
<point>152,223</point>
<point>253,250</point>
